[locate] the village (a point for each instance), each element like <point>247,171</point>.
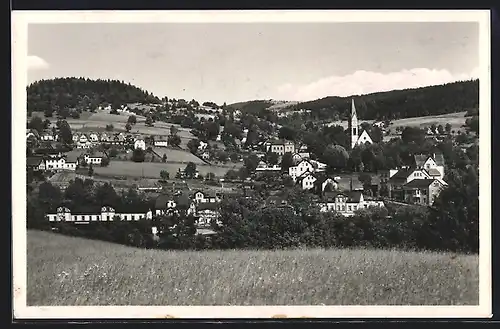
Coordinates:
<point>92,151</point>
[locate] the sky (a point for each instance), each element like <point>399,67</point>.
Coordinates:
<point>231,62</point>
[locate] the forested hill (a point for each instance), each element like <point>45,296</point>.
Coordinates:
<point>86,94</point>
<point>397,104</point>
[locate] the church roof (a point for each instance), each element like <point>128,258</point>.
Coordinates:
<point>353,108</point>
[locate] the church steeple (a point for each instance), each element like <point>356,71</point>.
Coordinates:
<point>353,125</point>
<point>353,110</point>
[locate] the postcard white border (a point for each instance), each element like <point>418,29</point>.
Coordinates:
<point>20,20</point>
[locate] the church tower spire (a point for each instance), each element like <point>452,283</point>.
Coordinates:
<point>353,125</point>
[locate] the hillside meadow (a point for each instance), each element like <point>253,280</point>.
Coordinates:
<point>153,169</point>
<point>64,270</point>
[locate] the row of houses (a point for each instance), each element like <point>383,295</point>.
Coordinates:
<point>419,183</point>
<point>64,161</point>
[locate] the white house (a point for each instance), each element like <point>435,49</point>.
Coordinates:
<point>161,141</point>
<point>203,197</point>
<point>94,159</point>
<point>346,203</point>
<point>262,166</point>
<point>94,137</point>
<point>305,165</point>
<point>107,214</point>
<point>202,146</point>
<point>280,147</point>
<point>47,137</point>
<point>307,180</point>
<point>60,163</point>
<point>140,144</point>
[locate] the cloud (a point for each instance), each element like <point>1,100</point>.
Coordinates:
<point>37,63</point>
<point>365,82</point>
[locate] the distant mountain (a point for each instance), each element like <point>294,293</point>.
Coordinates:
<point>84,94</point>
<point>395,104</point>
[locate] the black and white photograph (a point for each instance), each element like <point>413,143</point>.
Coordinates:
<point>251,164</point>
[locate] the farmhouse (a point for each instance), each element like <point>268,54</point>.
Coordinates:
<point>346,203</point>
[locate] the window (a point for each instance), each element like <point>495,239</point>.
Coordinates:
<point>349,208</point>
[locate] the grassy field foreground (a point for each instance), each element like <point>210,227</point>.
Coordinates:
<point>73,271</point>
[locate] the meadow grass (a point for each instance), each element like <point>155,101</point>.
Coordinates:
<point>178,155</point>
<point>153,169</point>
<point>65,270</point>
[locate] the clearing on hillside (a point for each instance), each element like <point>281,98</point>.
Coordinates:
<point>153,169</point>
<point>74,271</point>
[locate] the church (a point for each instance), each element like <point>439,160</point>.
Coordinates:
<point>356,138</point>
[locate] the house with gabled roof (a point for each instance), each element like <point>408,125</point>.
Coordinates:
<point>206,213</point>
<point>35,163</point>
<point>324,183</point>
<point>305,166</point>
<point>434,164</point>
<point>423,191</point>
<point>306,180</point>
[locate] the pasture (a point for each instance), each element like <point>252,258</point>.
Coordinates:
<point>69,271</point>
<point>153,169</point>
<point>174,155</point>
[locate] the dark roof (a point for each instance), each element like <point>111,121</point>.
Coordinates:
<point>402,174</point>
<point>161,201</point>
<point>97,154</point>
<point>182,199</point>
<point>433,172</point>
<point>352,196</point>
<point>33,161</point>
<point>439,158</point>
<point>419,183</point>
<point>207,206</point>
<point>420,159</point>
<point>345,183</point>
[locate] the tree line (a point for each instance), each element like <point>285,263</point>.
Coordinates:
<point>452,224</point>
<point>62,94</point>
<point>398,104</point>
